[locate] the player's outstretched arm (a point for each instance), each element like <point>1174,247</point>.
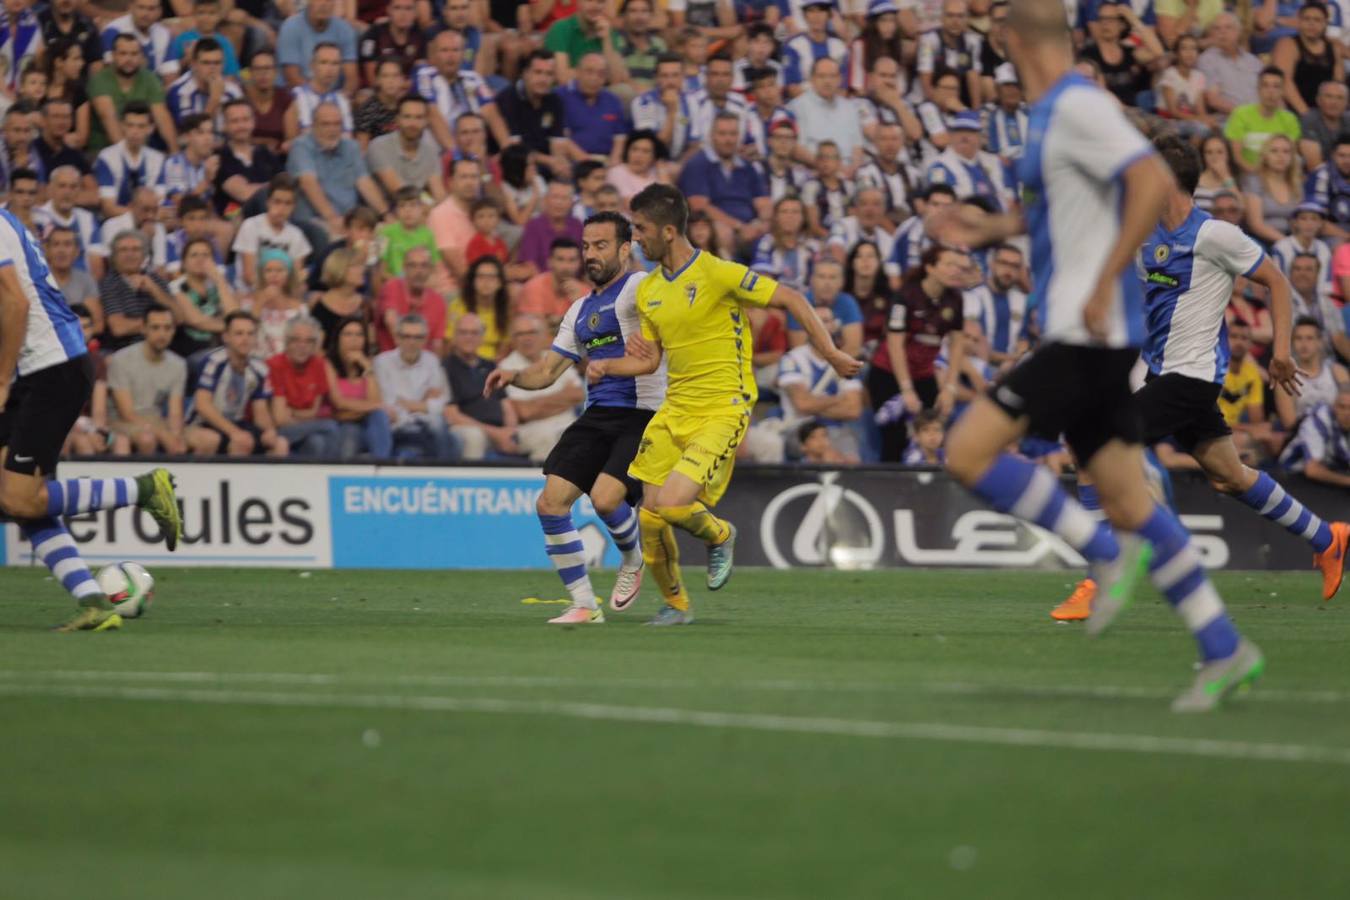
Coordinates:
<point>641,357</point>
<point>537,377</point>
<point>1282,369</point>
<point>13,328</point>
<point>966,226</point>
<point>786,298</point>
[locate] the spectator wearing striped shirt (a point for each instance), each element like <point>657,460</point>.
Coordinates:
<point>1321,448</point>
<point>203,89</point>
<point>129,163</point>
<point>325,69</point>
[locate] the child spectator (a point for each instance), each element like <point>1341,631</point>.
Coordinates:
<point>817,449</point>
<point>929,434</point>
<point>410,230</point>
<point>485,241</point>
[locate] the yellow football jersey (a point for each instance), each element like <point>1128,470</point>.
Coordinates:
<point>697,316</point>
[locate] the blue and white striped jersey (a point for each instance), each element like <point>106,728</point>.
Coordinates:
<point>118,177</point>
<point>185,97</point>
<point>231,390</point>
<point>597,327</point>
<point>53,333</point>
<point>1188,280</point>
<point>88,231</point>
<point>648,112</point>
<point>162,253</point>
<point>157,44</point>
<point>1002,316</point>
<point>1287,248</point>
<point>181,175</point>
<point>803,366</point>
<point>1005,132</point>
<point>1319,439</point>
<point>306,100</point>
<point>468,93</point>
<point>800,54</point>
<point>786,266</point>
<point>1079,144</point>
<point>20,43</point>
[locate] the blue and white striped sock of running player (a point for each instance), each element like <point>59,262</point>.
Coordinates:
<point>623,527</point>
<point>1028,491</point>
<point>1271,501</point>
<point>56,548</point>
<point>1091,501</point>
<point>1177,573</point>
<point>81,495</point>
<point>563,544</point>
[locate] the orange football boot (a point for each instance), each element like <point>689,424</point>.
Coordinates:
<point>1332,560</point>
<point>1079,604</point>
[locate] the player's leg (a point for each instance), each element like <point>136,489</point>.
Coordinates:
<point>609,496</point>
<point>657,455</point>
<point>1079,603</point>
<point>1227,473</point>
<point>563,544</point>
<point>152,491</point>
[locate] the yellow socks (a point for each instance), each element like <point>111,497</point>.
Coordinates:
<point>698,520</point>
<point>662,557</point>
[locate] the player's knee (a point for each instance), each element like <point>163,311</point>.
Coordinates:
<point>548,506</point>
<point>23,498</point>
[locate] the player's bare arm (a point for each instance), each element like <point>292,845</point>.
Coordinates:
<point>13,328</point>
<point>1283,372</point>
<point>641,357</point>
<point>538,376</point>
<point>786,298</point>
<point>971,228</point>
<point>1148,183</point>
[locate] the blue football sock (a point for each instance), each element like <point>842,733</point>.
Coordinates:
<point>1028,491</point>
<point>56,548</point>
<point>563,544</point>
<point>623,527</point>
<point>1271,501</point>
<point>81,495</point>
<point>1177,573</point>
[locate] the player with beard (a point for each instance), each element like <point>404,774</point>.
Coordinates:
<point>593,454</point>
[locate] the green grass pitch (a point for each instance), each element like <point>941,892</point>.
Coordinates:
<point>815,735</point>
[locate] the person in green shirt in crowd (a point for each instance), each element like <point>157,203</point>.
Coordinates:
<point>409,230</point>
<point>111,88</point>
<point>1252,124</point>
<point>588,31</point>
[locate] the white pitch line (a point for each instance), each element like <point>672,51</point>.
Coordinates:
<point>959,688</point>
<point>924,731</point>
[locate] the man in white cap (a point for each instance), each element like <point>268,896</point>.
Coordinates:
<point>970,171</point>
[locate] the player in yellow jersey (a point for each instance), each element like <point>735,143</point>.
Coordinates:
<point>692,312</point>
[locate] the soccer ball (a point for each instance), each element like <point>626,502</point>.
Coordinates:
<point>129,587</point>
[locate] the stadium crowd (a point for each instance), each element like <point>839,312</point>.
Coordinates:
<point>313,228</point>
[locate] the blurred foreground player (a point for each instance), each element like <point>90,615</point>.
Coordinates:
<point>692,312</point>
<point>46,378</point>
<point>1094,191</point>
<point>593,454</point>
<point>1188,266</point>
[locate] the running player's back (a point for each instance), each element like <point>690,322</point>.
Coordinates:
<point>54,333</point>
<point>696,315</point>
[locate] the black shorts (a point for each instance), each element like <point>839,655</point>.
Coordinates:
<point>1184,408</point>
<point>603,440</point>
<point>223,446</point>
<point>43,406</point>
<point>1082,393</point>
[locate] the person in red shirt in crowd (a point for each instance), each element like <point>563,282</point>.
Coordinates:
<point>300,382</point>
<point>486,216</point>
<point>410,294</point>
<point>550,293</point>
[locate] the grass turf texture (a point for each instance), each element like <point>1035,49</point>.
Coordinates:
<point>187,787</point>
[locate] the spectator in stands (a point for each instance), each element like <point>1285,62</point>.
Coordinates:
<point>970,171</point>
<point>276,301</point>
<point>883,38</point>
<point>245,168</point>
<point>1125,66</point>
<point>269,104</point>
<point>721,183</point>
<point>191,172</point>
<point>1304,227</point>
<point>1219,173</point>
<point>827,196</point>
<point>408,230</point>
<point>888,169</point>
<point>301,33</point>
<point>867,223</point>
<point>824,114</point>
<point>1243,398</point>
<point>929,435</point>
<point>594,118</point>
<point>478,422</point>
<point>407,295</point>
<point>554,221</point>
<point>206,18</point>
<point>125,81</point>
<point>17,151</point>
<point>1273,191</point>
<point>487,219</point>
<point>1001,305</point>
<point>484,295</point>
<point>413,386</point>
<point>544,414</point>
<point>300,389</point>
<point>450,221</point>
<point>147,381</point>
<point>1231,72</point>
<point>572,37</point>
<point>453,91</point>
<point>23,194</point>
<point>928,309</point>
<point>817,450</point>
<point>142,215</point>
<point>61,211</point>
<point>129,290</point>
<point>203,298</point>
<point>1308,59</point>
<point>865,281</point>
<point>533,112</point>
<point>1312,300</point>
<point>783,175</point>
<point>1181,90</point>
<point>319,88</point>
<point>642,155</point>
<point>77,285</point>
<point>1227,207</point>
<point>271,229</point>
<point>394,37</point>
<point>810,388</point>
<point>354,391</point>
<point>717,97</point>
<point>638,44</point>
<point>61,21</point>
<point>1321,449</point>
<point>552,291</point>
<point>408,157</point>
<point>57,123</point>
<point>378,115</point>
<point>827,290</point>
<point>1322,376</point>
<point>142,25</point>
<point>787,251</point>
<point>667,110</point>
<point>129,163</point>
<point>766,108</point>
<point>1329,187</point>
<point>232,407</point>
<point>1251,125</point>
<point>344,276</point>
<point>90,433</point>
<point>1321,125</point>
<point>203,88</point>
<point>952,47</point>
<point>332,175</point>
<point>802,51</point>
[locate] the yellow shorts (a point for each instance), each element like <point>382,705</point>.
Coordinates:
<point>701,448</point>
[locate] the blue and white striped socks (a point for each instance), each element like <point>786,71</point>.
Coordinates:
<point>1271,501</point>
<point>1177,573</point>
<point>1091,501</point>
<point>1028,491</point>
<point>563,544</point>
<point>81,495</point>
<point>623,527</point>
<point>56,548</point>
